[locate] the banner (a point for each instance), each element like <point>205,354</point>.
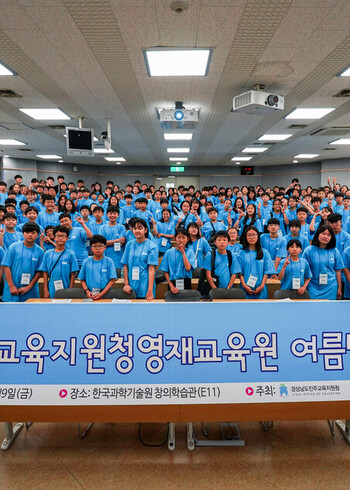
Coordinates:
<point>174,353</point>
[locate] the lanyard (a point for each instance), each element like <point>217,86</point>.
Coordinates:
<point>31,259</point>
<point>58,258</point>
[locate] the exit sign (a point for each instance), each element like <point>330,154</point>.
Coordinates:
<point>177,169</point>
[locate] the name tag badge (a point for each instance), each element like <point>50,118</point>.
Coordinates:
<point>25,279</point>
<point>135,274</point>
<point>280,232</point>
<point>195,263</point>
<point>87,243</point>
<point>127,220</point>
<point>296,283</point>
<point>264,221</point>
<point>323,279</point>
<point>180,284</point>
<point>58,284</point>
<point>164,242</point>
<point>252,281</point>
<point>96,290</point>
<point>117,247</point>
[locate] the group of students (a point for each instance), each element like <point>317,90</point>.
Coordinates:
<point>299,236</point>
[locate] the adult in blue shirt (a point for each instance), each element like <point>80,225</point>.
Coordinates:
<point>326,265</point>
<point>22,264</point>
<point>140,260</point>
<point>59,264</point>
<point>254,265</point>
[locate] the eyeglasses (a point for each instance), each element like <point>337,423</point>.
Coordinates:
<point>97,246</point>
<point>252,235</point>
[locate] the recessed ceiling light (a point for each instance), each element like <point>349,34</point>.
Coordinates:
<point>60,161</point>
<point>177,62</point>
<point>295,161</point>
<point>11,142</point>
<point>275,137</point>
<point>46,114</point>
<point>243,159</point>
<point>238,163</point>
<point>4,70</point>
<point>115,159</point>
<point>5,156</point>
<point>306,155</point>
<point>103,150</point>
<point>178,163</point>
<point>178,136</point>
<point>118,163</point>
<point>50,157</point>
<point>341,141</point>
<point>253,149</point>
<point>310,113</point>
<point>178,150</point>
<point>181,159</point>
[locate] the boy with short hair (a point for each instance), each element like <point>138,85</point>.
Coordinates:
<point>48,216</point>
<point>302,215</point>
<point>294,233</point>
<point>77,241</point>
<point>220,261</point>
<point>3,193</point>
<point>96,224</point>
<point>294,271</point>
<point>98,272</point>
<point>59,264</point>
<point>9,235</point>
<point>47,239</point>
<point>115,235</point>
<point>22,264</point>
<point>273,243</point>
<point>210,228</point>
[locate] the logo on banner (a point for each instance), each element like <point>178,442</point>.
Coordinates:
<point>283,390</point>
<point>63,393</point>
<point>249,391</point>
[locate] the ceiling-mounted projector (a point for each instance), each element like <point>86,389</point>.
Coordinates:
<point>178,118</point>
<point>258,102</point>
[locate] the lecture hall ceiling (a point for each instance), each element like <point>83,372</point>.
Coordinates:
<point>85,57</point>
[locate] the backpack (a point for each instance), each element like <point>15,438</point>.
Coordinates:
<point>203,284</point>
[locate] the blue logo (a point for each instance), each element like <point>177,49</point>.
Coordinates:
<point>283,390</point>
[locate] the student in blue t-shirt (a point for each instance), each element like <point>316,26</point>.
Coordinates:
<point>115,236</point>
<point>78,237</point>
<point>48,216</point>
<point>294,232</point>
<point>140,260</point>
<point>164,232</point>
<point>59,264</point>
<point>22,264</point>
<point>224,263</point>
<point>273,243</point>
<point>233,245</point>
<point>9,235</point>
<point>178,263</point>
<point>294,271</point>
<point>98,272</point>
<point>198,244</point>
<point>254,265</point>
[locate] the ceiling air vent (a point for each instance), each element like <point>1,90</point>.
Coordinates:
<point>329,149</point>
<point>333,131</point>
<point>25,149</point>
<point>9,93</point>
<point>297,126</point>
<point>343,93</point>
<point>56,126</point>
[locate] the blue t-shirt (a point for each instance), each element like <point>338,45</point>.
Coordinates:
<point>139,256</point>
<point>22,260</point>
<point>200,249</point>
<point>44,219</point>
<point>97,273</point>
<point>173,263</point>
<point>164,243</point>
<point>298,270</point>
<point>222,269</point>
<point>249,266</point>
<point>78,242</point>
<point>210,228</point>
<point>277,247</point>
<point>115,251</point>
<point>59,266</point>
<point>10,238</point>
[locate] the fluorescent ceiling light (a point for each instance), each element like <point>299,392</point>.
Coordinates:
<point>311,113</point>
<point>181,159</point>
<point>5,156</point>
<point>118,163</point>
<point>238,163</point>
<point>275,137</point>
<point>178,136</point>
<point>11,142</point>
<point>45,114</point>
<point>178,163</point>
<point>253,149</point>
<point>341,141</point>
<point>241,159</point>
<point>50,157</point>
<point>178,150</point>
<point>345,73</point>
<point>115,159</point>
<point>306,155</point>
<point>177,62</point>
<point>4,70</point>
<point>103,150</point>
<point>295,161</point>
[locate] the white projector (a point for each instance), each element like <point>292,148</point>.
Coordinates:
<point>178,118</point>
<point>258,102</point>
